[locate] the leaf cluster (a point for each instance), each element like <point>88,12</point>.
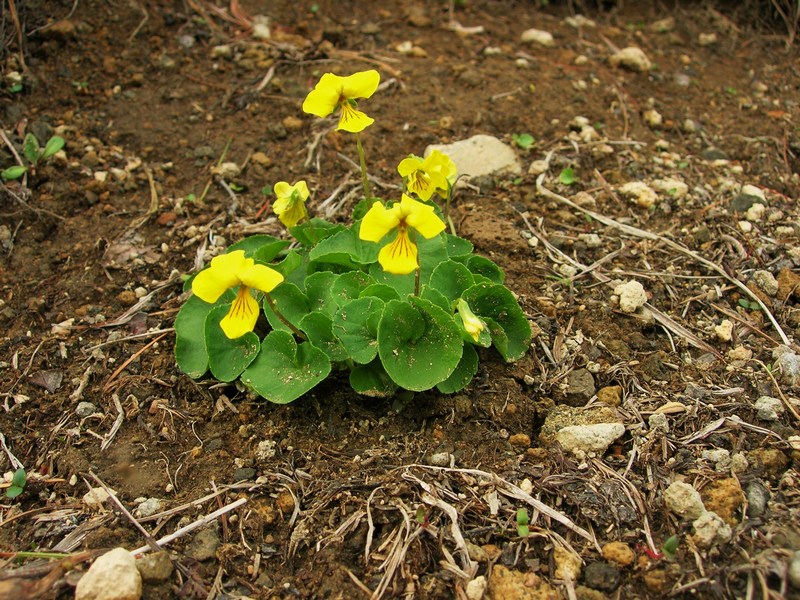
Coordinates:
<point>33,154</point>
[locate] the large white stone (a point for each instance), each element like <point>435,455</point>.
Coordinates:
<point>631,58</point>
<point>113,576</point>
<point>537,36</point>
<point>685,501</point>
<point>631,296</point>
<point>480,155</point>
<point>597,438</point>
<point>710,530</point>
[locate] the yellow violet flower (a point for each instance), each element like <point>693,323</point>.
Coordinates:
<point>424,177</point>
<point>400,256</point>
<point>473,325</point>
<point>290,205</point>
<point>332,92</point>
<point>227,271</point>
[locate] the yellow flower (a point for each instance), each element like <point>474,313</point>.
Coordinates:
<point>332,92</point>
<point>433,174</point>
<point>472,323</point>
<point>227,271</point>
<point>290,205</point>
<point>400,256</point>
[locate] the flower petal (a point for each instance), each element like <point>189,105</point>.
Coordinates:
<point>378,221</point>
<point>439,161</point>
<point>261,277</point>
<point>322,100</point>
<point>353,120</point>
<point>211,283</point>
<point>361,85</point>
<point>242,316</point>
<point>283,189</point>
<point>399,257</point>
<point>292,214</point>
<point>408,165</point>
<point>421,217</point>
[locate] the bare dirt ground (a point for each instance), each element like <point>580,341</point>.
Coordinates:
<point>341,496</point>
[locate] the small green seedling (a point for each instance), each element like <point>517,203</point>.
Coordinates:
<point>17,483</point>
<point>567,176</point>
<point>749,304</point>
<point>670,546</point>
<point>33,155</point>
<point>523,140</point>
<point>522,523</point>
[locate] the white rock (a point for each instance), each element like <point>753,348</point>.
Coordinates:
<point>639,192</point>
<point>707,39</point>
<point>720,457</point>
<point>724,331</point>
<point>685,501</point>
<point>597,438</point>
<point>265,450</point>
<point>653,118</point>
<point>568,564</point>
<point>261,29</point>
<point>794,570</point>
<point>149,507</point>
<point>227,170</point>
<point>96,497</point>
<point>745,226</point>
<point>739,354</point>
<point>591,240</point>
<point>769,408</point>
<point>658,422</point>
<point>537,167</point>
<point>537,36</point>
<point>222,51</point>
<point>788,364</point>
<point>480,155</point>
<point>113,576</point>
<point>477,588</point>
<point>710,530</point>
<point>674,188</point>
<point>755,213</point>
<point>765,281</point>
<point>579,21</point>
<point>631,58</point>
<point>754,190</point>
<point>631,296</point>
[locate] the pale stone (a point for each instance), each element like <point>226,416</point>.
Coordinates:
<point>149,507</point>
<point>707,39</point>
<point>755,213</point>
<point>589,438</point>
<point>653,118</point>
<point>537,36</point>
<point>754,190</point>
<point>631,296</point>
<point>480,155</point>
<point>631,58</point>
<point>640,193</point>
<point>477,588</point>
<point>537,167</point>
<point>95,497</point>
<point>766,282</point>
<point>227,170</point>
<point>685,501</point>
<point>710,530</point>
<point>675,188</point>
<point>724,331</point>
<point>568,564</point>
<point>769,408</point>
<point>113,576</point>
<point>794,570</point>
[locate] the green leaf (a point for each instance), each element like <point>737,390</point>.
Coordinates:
<point>290,266</point>
<point>345,248</point>
<point>419,343</point>
<point>267,253</point>
<point>318,327</point>
<point>227,358</point>
<point>30,148</point>
<point>20,478</point>
<point>356,326</point>
<point>13,491</point>
<point>496,305</point>
<point>319,291</point>
<point>372,380</point>
<point>451,279</point>
<point>457,246</point>
<point>314,231</point>
<point>463,374</point>
<point>348,286</point>
<point>567,176</point>
<point>403,285</point>
<point>480,265</point>
<point>14,172</point>
<point>380,290</point>
<point>190,336</point>
<point>523,140</point>
<point>290,302</point>
<point>252,244</point>
<point>53,145</point>
<point>436,297</point>
<point>283,370</point>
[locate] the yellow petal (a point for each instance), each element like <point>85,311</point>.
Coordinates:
<point>472,324</point>
<point>261,277</point>
<point>399,257</point>
<point>378,221</point>
<point>323,99</point>
<point>421,217</point>
<point>419,183</point>
<point>360,85</point>
<point>211,283</point>
<point>283,189</point>
<point>408,165</point>
<point>242,315</point>
<point>353,120</point>
<point>292,214</point>
<point>439,161</point>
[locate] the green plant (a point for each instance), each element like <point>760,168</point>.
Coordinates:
<point>567,176</point>
<point>391,297</point>
<point>670,547</point>
<point>33,154</point>
<point>522,523</point>
<point>523,140</point>
<point>18,482</point>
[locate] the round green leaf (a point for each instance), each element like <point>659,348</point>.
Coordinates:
<point>496,305</point>
<point>13,491</point>
<point>318,327</point>
<point>290,302</point>
<point>380,290</point>
<point>451,279</point>
<point>318,288</point>
<point>372,380</point>
<point>356,326</point>
<point>463,374</point>
<point>190,336</point>
<point>457,246</point>
<point>14,172</point>
<point>284,371</point>
<point>419,343</point>
<point>227,358</point>
<point>348,286</point>
<point>20,478</point>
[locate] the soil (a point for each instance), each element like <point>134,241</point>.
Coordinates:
<point>348,496</point>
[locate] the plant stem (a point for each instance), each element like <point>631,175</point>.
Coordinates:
<point>362,159</point>
<point>447,209</point>
<point>283,319</point>
<point>416,282</point>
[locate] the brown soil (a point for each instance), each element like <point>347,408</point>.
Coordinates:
<point>344,495</point>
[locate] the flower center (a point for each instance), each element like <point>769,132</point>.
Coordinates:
<point>240,308</point>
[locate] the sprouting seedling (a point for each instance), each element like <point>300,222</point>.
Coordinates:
<point>18,482</point>
<point>522,523</point>
<point>567,176</point>
<point>33,154</point>
<point>523,140</point>
<point>670,546</point>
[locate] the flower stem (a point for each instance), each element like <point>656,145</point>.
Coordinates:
<point>362,159</point>
<point>416,282</point>
<point>447,209</point>
<point>283,319</point>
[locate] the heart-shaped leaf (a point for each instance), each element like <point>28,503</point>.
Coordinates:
<point>290,302</point>
<point>463,374</point>
<point>227,358</point>
<point>190,334</point>
<point>318,327</point>
<point>319,292</point>
<point>497,304</point>
<point>283,370</point>
<point>356,326</point>
<point>451,279</point>
<point>372,380</point>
